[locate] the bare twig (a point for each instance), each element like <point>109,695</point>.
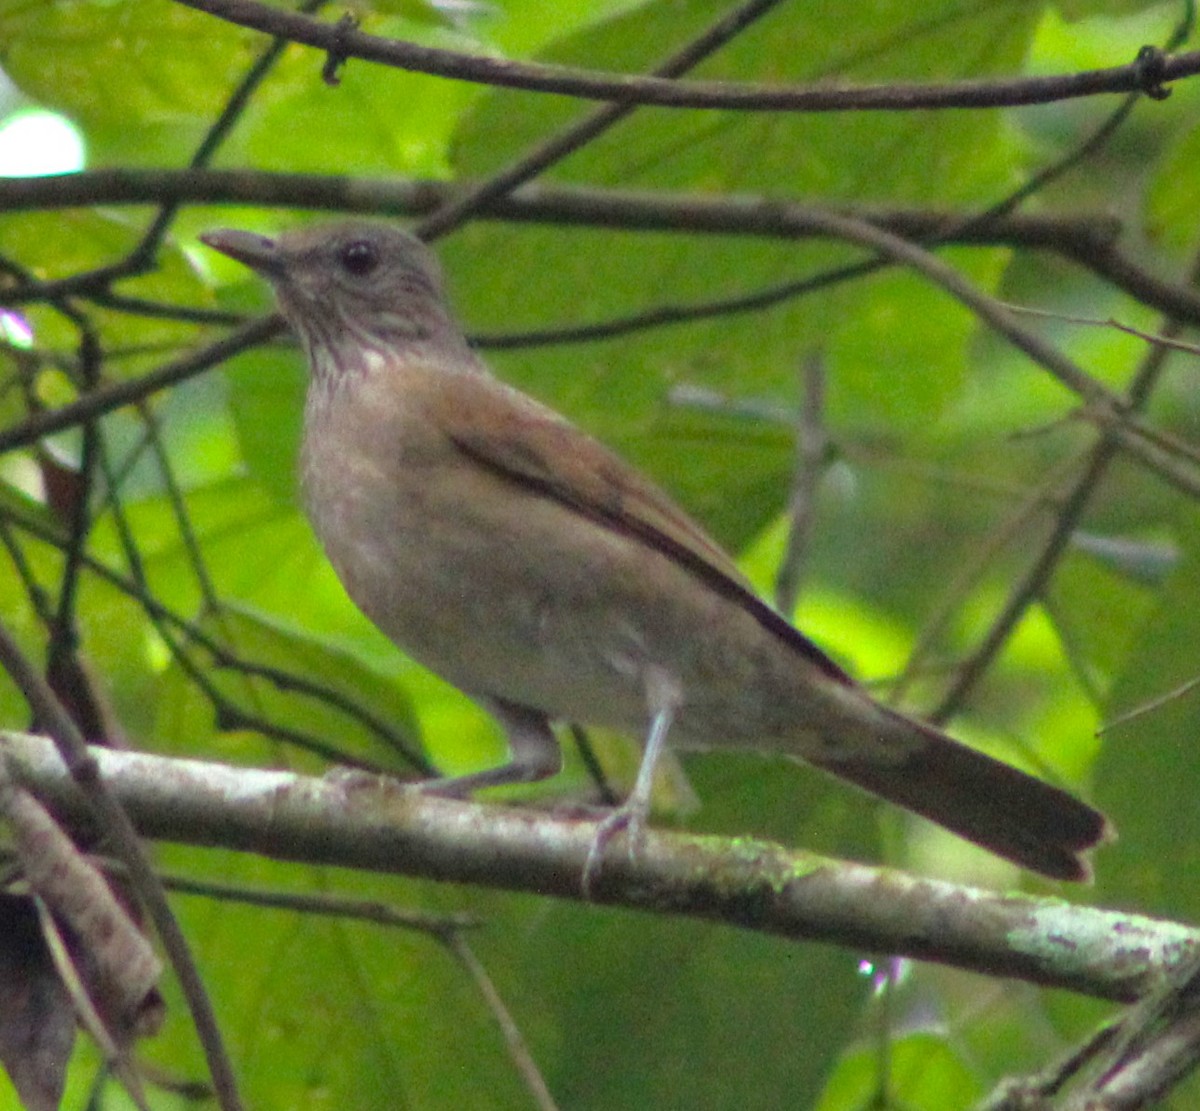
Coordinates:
<point>594,124</point>
<point>1033,582</point>
<point>106,399</point>
<point>556,204</point>
<point>1111,322</point>
<point>812,457</point>
<point>1149,706</point>
<point>101,804</point>
<point>228,714</point>
<point>445,928</point>
<point>1087,241</point>
<point>1029,1093</point>
<point>513,1039</point>
<point>626,89</point>
<point>1133,1063</point>
<point>399,743</point>
<point>1101,403</point>
<point>146,251</point>
<point>1016,526</point>
<point>143,256</point>
<point>437,926</point>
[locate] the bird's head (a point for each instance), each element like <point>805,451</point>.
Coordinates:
<point>353,292</point>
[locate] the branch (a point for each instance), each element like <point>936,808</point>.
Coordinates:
<point>557,146</point>
<point>557,204</point>
<point>341,41</point>
<point>1089,241</point>
<point>1075,503</point>
<point>106,399</point>
<point>376,825</point>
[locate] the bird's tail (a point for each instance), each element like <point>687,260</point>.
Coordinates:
<point>1004,810</point>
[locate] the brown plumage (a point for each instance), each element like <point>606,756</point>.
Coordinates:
<point>531,567</point>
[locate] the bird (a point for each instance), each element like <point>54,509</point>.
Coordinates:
<point>524,562</point>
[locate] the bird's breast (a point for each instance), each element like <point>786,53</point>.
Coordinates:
<point>492,589</point>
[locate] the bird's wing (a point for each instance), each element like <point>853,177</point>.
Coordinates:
<point>533,447</point>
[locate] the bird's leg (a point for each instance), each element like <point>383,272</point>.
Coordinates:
<point>663,698</point>
<point>534,753</point>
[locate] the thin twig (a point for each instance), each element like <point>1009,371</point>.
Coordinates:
<point>1148,707</point>
<point>106,399</point>
<point>118,830</point>
<point>1016,526</point>
<point>1027,1093</point>
<point>229,716</point>
<point>401,745</point>
<point>594,124</point>
<point>1111,322</point>
<point>32,589</point>
<point>1101,402</point>
<point>61,654</point>
<point>1156,1043</point>
<point>145,253</point>
<point>827,96</point>
<point>143,256</point>
<point>438,926</point>
<point>812,457</point>
<point>513,1039</point>
<point>1089,242</point>
<point>556,204</point>
<point>1033,582</point>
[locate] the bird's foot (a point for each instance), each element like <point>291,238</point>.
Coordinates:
<point>628,818</point>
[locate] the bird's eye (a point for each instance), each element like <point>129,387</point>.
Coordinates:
<point>359,258</point>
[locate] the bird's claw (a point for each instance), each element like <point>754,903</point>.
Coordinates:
<point>624,818</point>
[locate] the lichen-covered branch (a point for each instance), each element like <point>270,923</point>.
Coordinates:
<point>361,822</point>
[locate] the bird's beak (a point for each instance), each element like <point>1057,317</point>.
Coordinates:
<point>256,251</point>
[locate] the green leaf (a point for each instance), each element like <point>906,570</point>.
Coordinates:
<point>143,78</point>
<point>696,1016</point>
<point>266,401</point>
<point>323,1012</point>
<point>1147,767</point>
<point>290,648</point>
<point>924,1073</point>
<point>1085,596</point>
